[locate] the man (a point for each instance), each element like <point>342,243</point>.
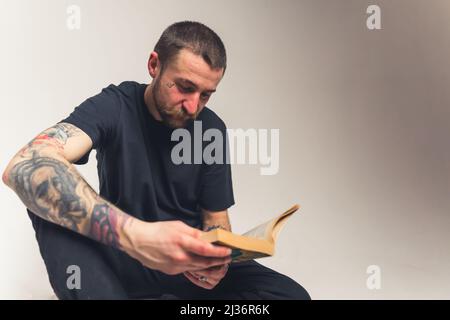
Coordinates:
<point>148,215</point>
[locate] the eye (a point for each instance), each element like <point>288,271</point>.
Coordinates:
<point>205,96</point>
<point>42,189</point>
<point>184,89</point>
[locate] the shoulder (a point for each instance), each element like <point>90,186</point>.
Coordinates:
<point>211,120</point>
<point>124,89</point>
<point>125,95</point>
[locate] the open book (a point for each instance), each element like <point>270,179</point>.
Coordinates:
<point>256,243</point>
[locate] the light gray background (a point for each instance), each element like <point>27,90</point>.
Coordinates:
<point>364,121</point>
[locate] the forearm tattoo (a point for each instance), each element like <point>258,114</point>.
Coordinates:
<point>212,227</point>
<point>48,189</point>
<point>54,190</point>
<point>104,225</point>
<point>221,223</point>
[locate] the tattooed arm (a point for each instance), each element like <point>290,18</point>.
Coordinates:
<point>216,219</point>
<point>43,176</point>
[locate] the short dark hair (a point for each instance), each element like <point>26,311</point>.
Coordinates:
<point>194,36</point>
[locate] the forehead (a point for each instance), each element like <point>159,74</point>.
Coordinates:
<point>192,67</point>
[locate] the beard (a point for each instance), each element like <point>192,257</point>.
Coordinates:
<point>171,116</point>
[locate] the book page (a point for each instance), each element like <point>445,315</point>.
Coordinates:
<point>259,231</point>
<point>269,230</point>
<point>278,226</point>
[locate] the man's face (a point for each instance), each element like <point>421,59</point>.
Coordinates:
<point>181,91</point>
<point>47,189</point>
<point>56,196</point>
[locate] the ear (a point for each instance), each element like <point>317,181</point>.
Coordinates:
<point>154,65</point>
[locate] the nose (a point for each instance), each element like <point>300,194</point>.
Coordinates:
<point>191,104</point>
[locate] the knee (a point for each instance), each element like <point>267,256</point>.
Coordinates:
<point>85,283</point>
<point>289,289</point>
<point>94,291</point>
<point>283,288</point>
<point>296,292</point>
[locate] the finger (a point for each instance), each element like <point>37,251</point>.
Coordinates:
<point>210,276</point>
<point>193,232</point>
<point>204,248</point>
<point>217,268</point>
<point>216,273</point>
<point>202,284</point>
<point>202,263</point>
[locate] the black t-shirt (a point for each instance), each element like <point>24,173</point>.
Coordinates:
<point>134,163</point>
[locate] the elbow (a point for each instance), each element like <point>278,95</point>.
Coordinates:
<point>5,177</point>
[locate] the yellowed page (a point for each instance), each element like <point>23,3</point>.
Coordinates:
<point>259,232</point>
<point>270,229</point>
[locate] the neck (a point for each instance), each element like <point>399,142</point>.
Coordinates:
<point>150,103</point>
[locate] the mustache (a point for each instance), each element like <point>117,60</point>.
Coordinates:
<point>178,113</point>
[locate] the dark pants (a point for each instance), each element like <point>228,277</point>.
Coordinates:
<point>107,273</point>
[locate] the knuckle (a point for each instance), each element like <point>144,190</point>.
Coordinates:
<point>197,233</point>
<point>177,223</point>
<point>202,250</point>
<point>179,240</point>
<point>179,258</point>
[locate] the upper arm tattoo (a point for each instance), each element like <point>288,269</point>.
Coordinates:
<point>62,131</point>
<point>56,136</point>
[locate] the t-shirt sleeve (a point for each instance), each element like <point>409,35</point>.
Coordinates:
<point>98,117</point>
<point>217,186</point>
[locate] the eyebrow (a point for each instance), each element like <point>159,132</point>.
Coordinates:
<point>189,82</point>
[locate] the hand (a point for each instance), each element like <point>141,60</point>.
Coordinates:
<point>207,278</point>
<point>172,247</point>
